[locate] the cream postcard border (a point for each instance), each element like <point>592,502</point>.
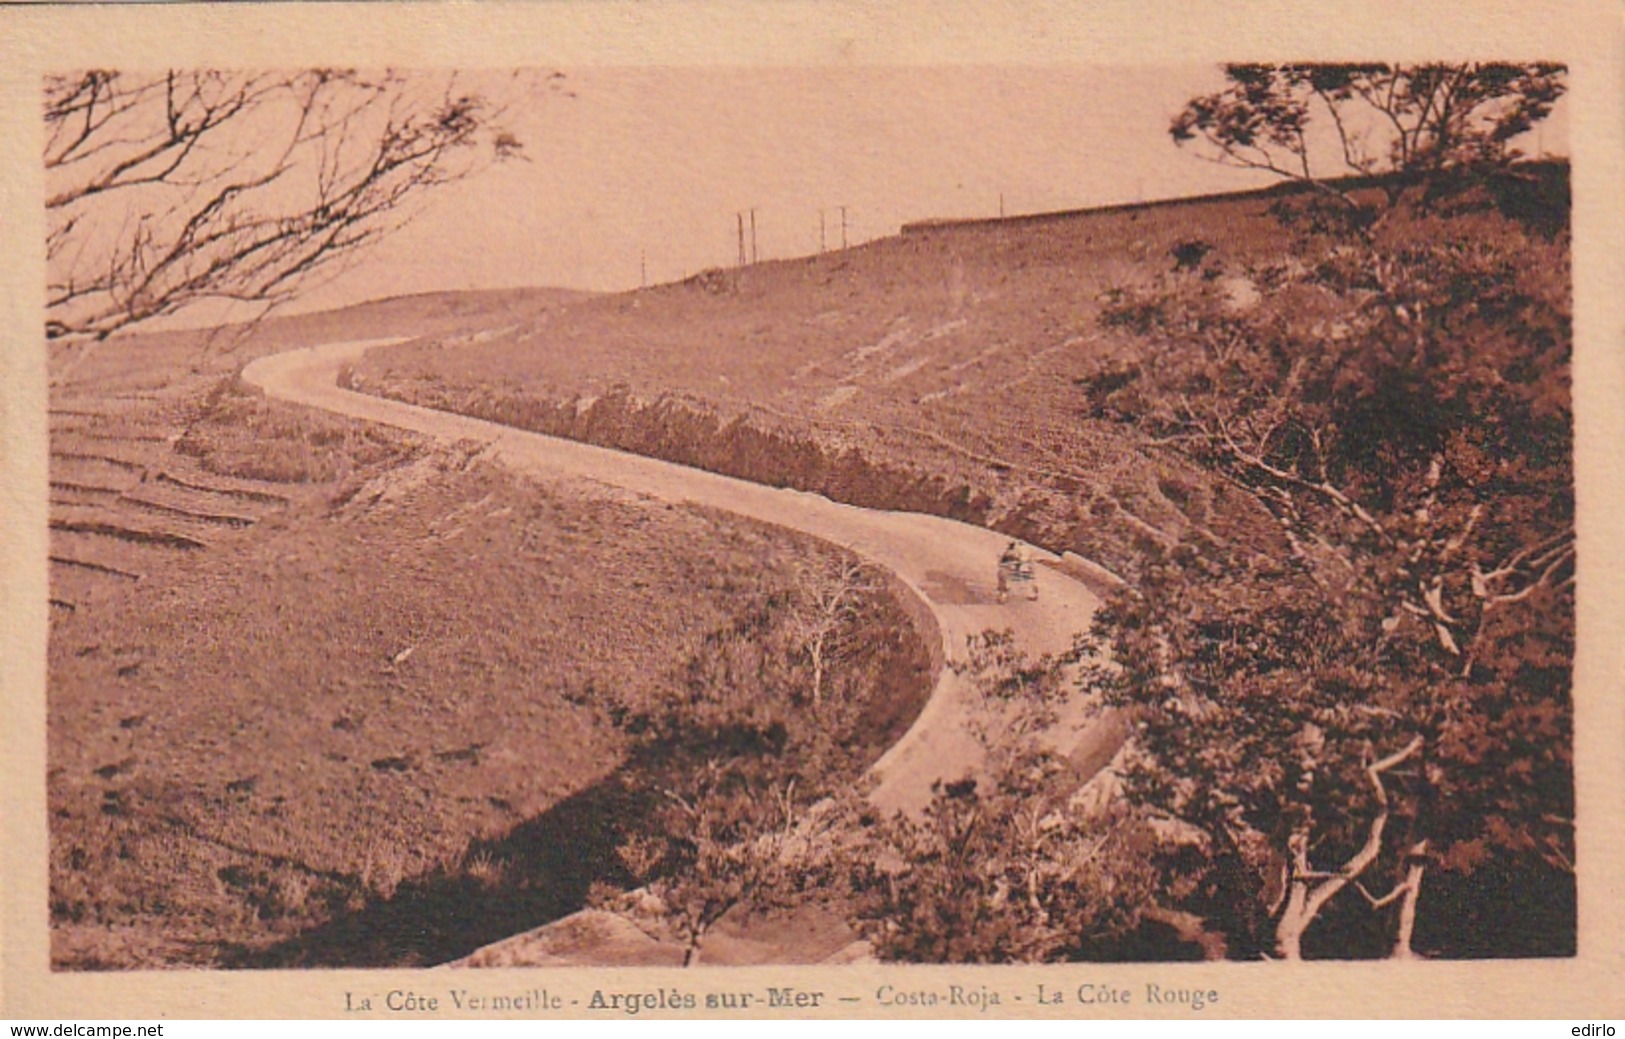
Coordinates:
<point>1588,36</point>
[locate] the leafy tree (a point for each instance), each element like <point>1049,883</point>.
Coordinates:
<point>1008,865</point>
<point>727,837</point>
<point>1384,689</point>
<point>752,808</point>
<point>735,770</point>
<point>1416,121</point>
<point>167,189</point>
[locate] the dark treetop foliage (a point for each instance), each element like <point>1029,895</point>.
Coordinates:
<point>1310,123</point>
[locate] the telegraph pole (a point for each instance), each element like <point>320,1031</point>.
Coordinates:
<point>754,255</point>
<point>643,268</point>
<point>843,227</point>
<point>740,218</point>
<point>820,232</point>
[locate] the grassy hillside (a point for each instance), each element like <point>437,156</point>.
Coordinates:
<point>934,371</point>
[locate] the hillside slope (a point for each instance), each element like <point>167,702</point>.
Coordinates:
<point>936,371</point>
<point>307,674</point>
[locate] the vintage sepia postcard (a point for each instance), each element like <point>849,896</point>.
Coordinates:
<point>806,510</point>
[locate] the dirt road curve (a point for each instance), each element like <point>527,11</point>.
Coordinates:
<point>949,565</point>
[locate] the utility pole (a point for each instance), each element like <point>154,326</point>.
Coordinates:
<point>843,227</point>
<point>1001,205</point>
<point>740,218</point>
<point>820,232</point>
<point>643,268</point>
<point>754,255</point>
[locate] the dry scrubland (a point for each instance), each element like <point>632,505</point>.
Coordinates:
<point>1030,376</point>
<point>320,694</point>
<point>936,371</point>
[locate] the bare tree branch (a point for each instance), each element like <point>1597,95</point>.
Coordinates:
<point>167,189</point>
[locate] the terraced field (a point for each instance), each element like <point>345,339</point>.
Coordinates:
<point>126,503</point>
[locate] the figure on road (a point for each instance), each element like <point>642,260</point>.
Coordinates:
<point>1016,567</point>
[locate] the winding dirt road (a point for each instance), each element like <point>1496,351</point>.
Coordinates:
<point>948,565</point>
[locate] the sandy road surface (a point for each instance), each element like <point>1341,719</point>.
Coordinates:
<point>949,565</point>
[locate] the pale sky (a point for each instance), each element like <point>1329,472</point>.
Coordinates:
<point>658,162</point>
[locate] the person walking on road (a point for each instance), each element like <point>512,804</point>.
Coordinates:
<point>1016,567</point>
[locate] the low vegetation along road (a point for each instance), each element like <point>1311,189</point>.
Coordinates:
<point>950,566</point>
